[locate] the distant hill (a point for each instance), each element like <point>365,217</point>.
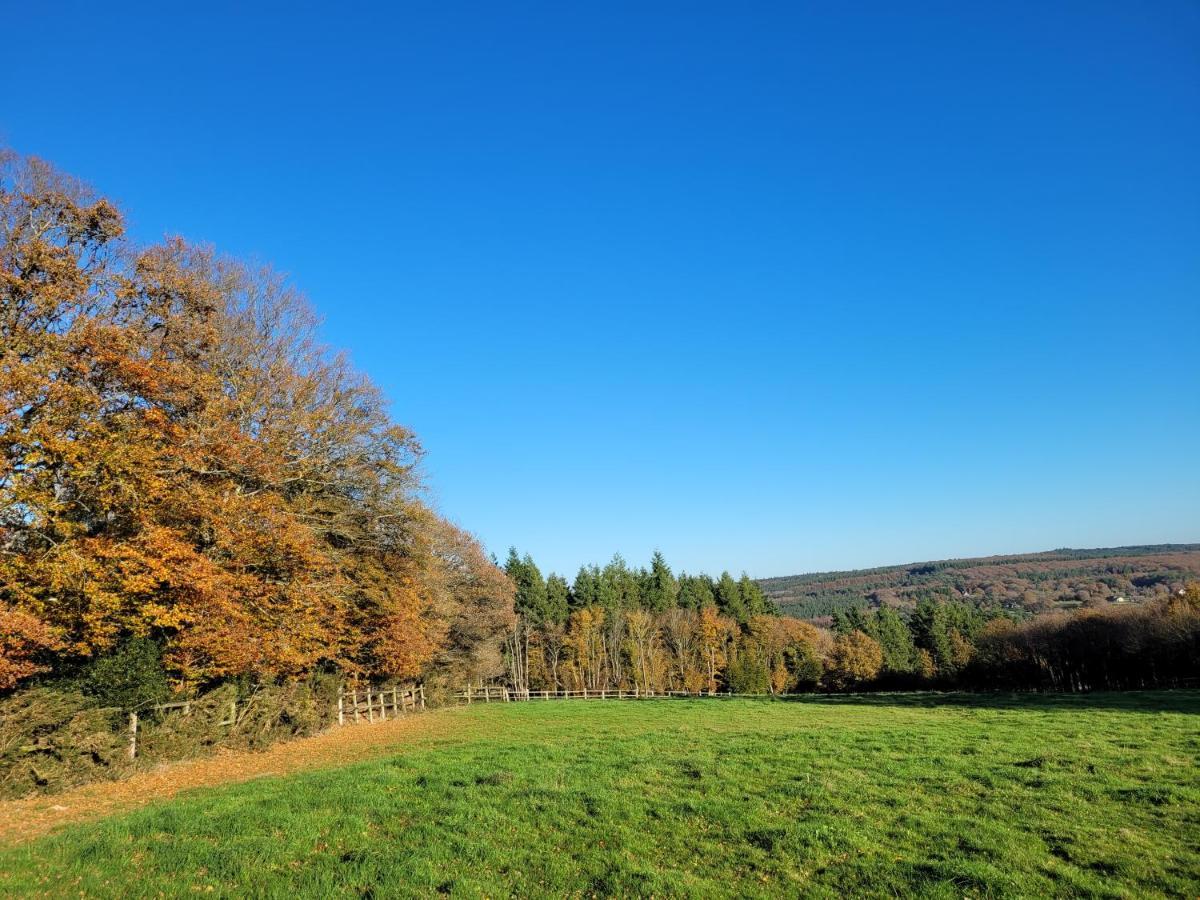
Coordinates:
<point>1033,582</point>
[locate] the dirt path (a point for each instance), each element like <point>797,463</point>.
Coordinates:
<point>32,817</point>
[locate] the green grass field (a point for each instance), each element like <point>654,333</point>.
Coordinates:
<point>939,796</point>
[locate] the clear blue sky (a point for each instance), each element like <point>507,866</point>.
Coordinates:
<point>773,287</point>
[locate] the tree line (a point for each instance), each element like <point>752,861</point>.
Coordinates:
<point>183,462</point>
<point>615,627</point>
<point>1115,646</point>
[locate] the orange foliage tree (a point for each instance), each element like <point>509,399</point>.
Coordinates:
<point>854,659</point>
<point>180,457</point>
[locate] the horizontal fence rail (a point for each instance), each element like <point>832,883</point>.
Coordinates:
<point>500,693</point>
<point>184,706</point>
<point>372,704</point>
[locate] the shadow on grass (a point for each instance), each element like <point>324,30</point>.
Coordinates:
<point>1160,701</point>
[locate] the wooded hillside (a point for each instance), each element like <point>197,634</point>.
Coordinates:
<point>1037,582</point>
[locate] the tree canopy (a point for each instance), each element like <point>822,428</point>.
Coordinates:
<point>182,459</point>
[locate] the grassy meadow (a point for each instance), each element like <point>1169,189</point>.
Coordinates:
<point>943,796</point>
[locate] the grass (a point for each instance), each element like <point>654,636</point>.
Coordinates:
<point>941,796</point>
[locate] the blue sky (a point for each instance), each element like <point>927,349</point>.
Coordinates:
<point>771,287</point>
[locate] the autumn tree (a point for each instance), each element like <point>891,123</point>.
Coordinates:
<point>585,640</point>
<point>645,649</point>
<point>685,652</point>
<point>717,633</point>
<point>854,659</point>
<point>25,646</point>
<point>471,607</point>
<point>792,651</point>
<point>182,459</point>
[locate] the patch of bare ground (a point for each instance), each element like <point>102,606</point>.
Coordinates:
<point>32,817</point>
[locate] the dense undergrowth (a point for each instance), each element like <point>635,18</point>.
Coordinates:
<point>53,738</point>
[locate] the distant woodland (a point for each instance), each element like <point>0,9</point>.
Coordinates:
<point>617,627</point>
<point>1032,583</point>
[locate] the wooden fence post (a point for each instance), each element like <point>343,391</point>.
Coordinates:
<point>341,709</point>
<point>370,706</point>
<point>133,735</point>
<point>395,700</point>
<point>354,702</point>
<point>422,689</point>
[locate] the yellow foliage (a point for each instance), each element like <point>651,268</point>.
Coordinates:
<point>179,456</point>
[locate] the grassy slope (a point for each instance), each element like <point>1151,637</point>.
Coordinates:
<point>1094,795</point>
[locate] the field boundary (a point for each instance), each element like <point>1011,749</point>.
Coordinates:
<point>401,700</point>
<point>502,693</point>
<point>27,818</point>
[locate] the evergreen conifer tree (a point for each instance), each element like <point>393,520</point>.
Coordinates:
<point>661,589</point>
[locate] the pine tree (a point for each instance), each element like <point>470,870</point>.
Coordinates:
<point>895,640</point>
<point>848,620</point>
<point>754,600</point>
<point>729,599</point>
<point>661,589</point>
<point>585,591</point>
<point>619,587</point>
<point>696,591</point>
<point>530,600</point>
<point>557,599</point>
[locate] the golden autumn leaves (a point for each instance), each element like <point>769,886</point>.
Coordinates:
<point>180,457</point>
<point>684,649</point>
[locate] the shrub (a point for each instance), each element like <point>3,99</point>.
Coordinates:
<point>749,673</point>
<point>52,739</point>
<point>132,677</point>
<point>804,666</point>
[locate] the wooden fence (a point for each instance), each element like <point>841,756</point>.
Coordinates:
<point>371,704</point>
<point>185,705</point>
<point>375,704</point>
<point>500,693</point>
